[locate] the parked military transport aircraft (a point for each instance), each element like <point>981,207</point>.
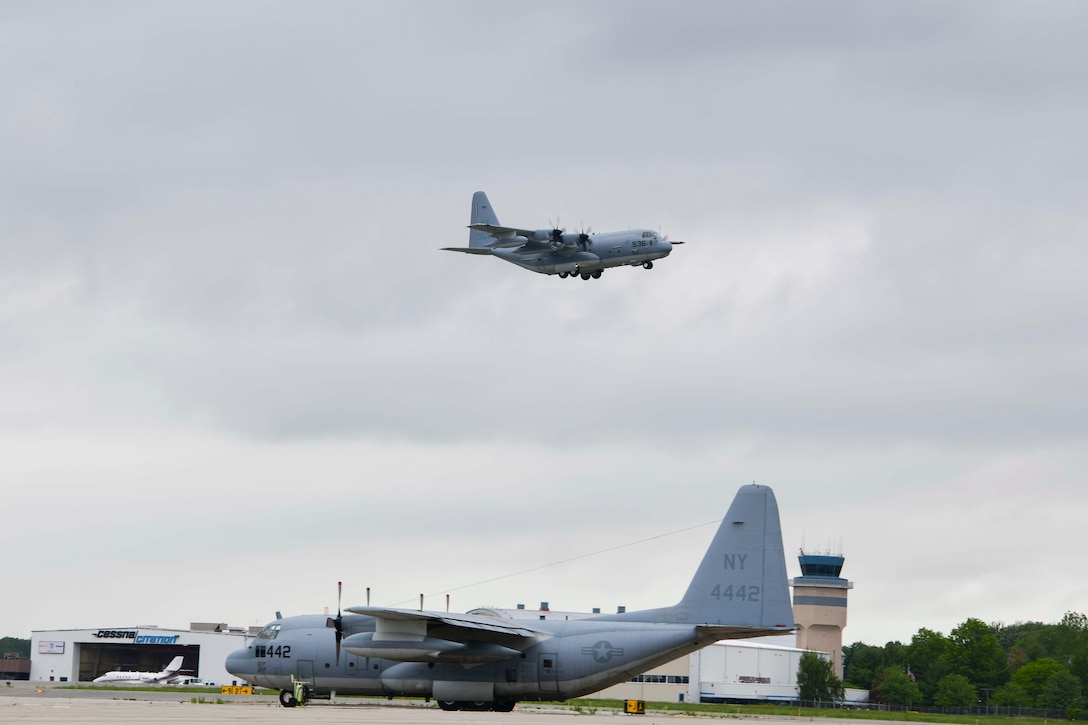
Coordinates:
<point>143,678</point>
<point>483,660</point>
<point>554,251</point>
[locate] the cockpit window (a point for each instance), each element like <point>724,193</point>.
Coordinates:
<point>269,632</point>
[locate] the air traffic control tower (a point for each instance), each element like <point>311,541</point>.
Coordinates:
<point>819,605</point>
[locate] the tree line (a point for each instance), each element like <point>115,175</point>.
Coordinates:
<point>1028,664</point>
<point>14,645</point>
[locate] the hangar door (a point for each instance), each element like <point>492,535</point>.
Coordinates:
<point>98,659</point>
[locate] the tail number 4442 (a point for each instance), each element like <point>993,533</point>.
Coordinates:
<point>745,593</point>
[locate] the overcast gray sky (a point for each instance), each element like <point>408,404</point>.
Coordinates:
<point>235,368</point>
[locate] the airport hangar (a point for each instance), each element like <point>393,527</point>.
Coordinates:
<point>80,655</point>
<point>761,669</point>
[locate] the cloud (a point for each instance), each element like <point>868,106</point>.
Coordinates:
<point>224,315</point>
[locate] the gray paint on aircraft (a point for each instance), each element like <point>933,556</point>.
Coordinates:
<point>556,251</point>
<point>485,660</point>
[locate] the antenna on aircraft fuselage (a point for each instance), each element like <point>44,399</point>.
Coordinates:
<point>368,596</point>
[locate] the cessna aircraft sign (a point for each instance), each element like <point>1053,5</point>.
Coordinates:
<point>136,637</point>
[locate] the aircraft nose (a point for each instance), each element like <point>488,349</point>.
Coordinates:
<point>238,662</point>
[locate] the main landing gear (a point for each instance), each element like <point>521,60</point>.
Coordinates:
<point>595,274</point>
<point>477,706</point>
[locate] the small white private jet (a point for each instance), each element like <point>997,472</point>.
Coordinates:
<point>142,678</point>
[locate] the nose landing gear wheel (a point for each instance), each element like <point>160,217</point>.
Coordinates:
<point>648,265</point>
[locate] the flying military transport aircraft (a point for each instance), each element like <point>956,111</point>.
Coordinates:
<point>484,660</point>
<point>554,251</point>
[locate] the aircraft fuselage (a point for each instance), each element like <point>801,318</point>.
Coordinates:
<point>583,656</point>
<point>555,251</point>
<point>611,249</point>
<point>485,659</point>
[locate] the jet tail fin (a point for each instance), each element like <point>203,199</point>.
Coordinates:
<point>175,665</point>
<point>740,588</point>
<point>482,213</point>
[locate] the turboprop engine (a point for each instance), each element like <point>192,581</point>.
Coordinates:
<point>568,243</point>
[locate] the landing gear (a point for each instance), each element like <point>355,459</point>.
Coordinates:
<point>562,275</point>
<point>299,694</point>
<point>647,265</point>
<point>586,275</point>
<point>477,705</point>
<point>597,274</point>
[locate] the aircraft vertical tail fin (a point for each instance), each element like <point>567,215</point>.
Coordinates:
<point>740,588</point>
<point>175,665</point>
<point>482,213</point>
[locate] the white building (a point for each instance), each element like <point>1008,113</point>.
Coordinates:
<point>80,655</point>
<point>729,671</point>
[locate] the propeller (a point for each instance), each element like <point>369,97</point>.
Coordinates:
<point>557,237</point>
<point>338,623</point>
<point>583,237</point>
<point>570,243</point>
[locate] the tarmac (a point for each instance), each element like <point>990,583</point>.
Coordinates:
<point>25,702</point>
<point>41,703</point>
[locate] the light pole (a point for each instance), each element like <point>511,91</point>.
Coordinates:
<point>987,690</point>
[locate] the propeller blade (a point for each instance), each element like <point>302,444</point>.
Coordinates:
<point>339,621</point>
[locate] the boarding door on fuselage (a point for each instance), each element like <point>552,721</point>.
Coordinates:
<point>306,671</point>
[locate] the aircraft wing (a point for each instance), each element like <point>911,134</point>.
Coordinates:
<point>468,250</point>
<point>408,635</point>
<point>470,624</point>
<point>534,248</point>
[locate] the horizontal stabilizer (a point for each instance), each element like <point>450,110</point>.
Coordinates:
<point>500,232</point>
